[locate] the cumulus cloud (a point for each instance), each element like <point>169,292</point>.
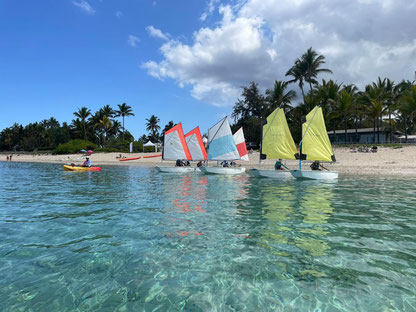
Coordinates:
<point>133,40</point>
<point>84,6</point>
<point>259,40</point>
<point>157,33</point>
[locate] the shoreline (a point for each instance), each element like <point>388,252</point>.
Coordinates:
<point>386,162</point>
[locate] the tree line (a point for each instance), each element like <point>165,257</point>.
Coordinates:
<point>383,105</point>
<point>102,128</point>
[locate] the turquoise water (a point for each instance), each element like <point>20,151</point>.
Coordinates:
<point>132,239</point>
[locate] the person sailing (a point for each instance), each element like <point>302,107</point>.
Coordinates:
<point>315,165</point>
<point>278,165</point>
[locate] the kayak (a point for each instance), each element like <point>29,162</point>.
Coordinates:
<point>151,156</point>
<point>75,168</point>
<point>131,158</point>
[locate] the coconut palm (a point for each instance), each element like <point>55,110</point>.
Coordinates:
<point>311,63</point>
<point>297,72</point>
<point>105,125</point>
<point>152,126</point>
<point>107,111</point>
<point>407,107</point>
<point>83,114</point>
<point>343,107</point>
<point>124,110</point>
<point>279,97</point>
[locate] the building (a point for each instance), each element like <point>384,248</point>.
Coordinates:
<point>359,136</point>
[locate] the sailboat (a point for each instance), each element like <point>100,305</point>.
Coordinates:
<point>315,146</point>
<point>196,145</point>
<point>240,143</point>
<point>276,143</point>
<point>174,147</point>
<point>221,146</point>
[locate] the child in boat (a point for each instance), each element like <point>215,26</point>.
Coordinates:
<point>278,165</point>
<point>315,165</point>
<point>225,163</point>
<point>87,163</point>
<point>179,163</point>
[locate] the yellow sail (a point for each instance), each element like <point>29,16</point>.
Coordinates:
<point>277,141</point>
<point>315,142</point>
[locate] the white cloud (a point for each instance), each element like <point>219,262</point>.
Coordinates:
<point>209,9</point>
<point>157,33</point>
<point>84,6</point>
<point>259,40</point>
<point>119,14</point>
<point>133,40</point>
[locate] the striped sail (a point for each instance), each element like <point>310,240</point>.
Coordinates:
<point>240,142</point>
<point>174,144</point>
<point>196,146</point>
<point>221,145</point>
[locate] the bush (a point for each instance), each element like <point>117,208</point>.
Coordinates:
<point>74,146</point>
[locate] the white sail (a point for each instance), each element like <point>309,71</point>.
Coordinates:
<point>221,142</point>
<point>174,144</point>
<point>240,142</point>
<point>196,145</point>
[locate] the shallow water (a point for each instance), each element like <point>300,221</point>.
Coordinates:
<point>132,239</point>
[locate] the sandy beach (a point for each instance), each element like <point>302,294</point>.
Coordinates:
<point>387,161</point>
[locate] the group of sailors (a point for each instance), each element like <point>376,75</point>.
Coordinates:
<point>280,166</point>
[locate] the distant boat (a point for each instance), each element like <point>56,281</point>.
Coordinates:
<point>196,145</point>
<point>222,147</point>
<point>276,143</point>
<point>174,148</point>
<point>315,146</point>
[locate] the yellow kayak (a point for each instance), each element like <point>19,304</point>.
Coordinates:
<point>75,168</point>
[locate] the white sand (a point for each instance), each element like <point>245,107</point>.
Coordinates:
<point>387,161</point>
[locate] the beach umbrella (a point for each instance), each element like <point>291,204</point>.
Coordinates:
<point>83,151</point>
<point>90,152</point>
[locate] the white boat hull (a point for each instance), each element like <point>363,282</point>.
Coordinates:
<point>314,174</point>
<point>175,169</point>
<point>274,174</point>
<point>222,170</point>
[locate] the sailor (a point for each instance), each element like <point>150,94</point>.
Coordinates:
<point>179,163</point>
<point>278,165</point>
<point>187,163</point>
<point>199,164</point>
<point>225,163</point>
<point>315,165</point>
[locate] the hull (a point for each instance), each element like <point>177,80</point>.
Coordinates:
<point>222,170</point>
<point>74,168</point>
<point>274,174</point>
<point>314,175</point>
<point>152,156</point>
<point>127,159</point>
<point>175,169</point>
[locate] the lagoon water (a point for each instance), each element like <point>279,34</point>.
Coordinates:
<point>132,239</point>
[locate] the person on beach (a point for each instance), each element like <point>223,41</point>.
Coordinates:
<point>7,157</point>
<point>87,163</point>
<point>315,165</point>
<point>278,165</point>
<point>10,157</point>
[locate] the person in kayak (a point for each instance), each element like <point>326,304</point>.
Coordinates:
<point>87,162</point>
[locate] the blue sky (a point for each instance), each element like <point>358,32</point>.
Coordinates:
<point>186,60</point>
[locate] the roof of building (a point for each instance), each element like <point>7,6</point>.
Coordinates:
<point>362,130</point>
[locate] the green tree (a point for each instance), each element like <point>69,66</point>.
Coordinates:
<point>152,125</point>
<point>83,114</point>
<point>104,125</point>
<point>124,110</point>
<point>407,108</point>
<point>280,97</point>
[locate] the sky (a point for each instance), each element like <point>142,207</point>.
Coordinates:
<point>184,60</point>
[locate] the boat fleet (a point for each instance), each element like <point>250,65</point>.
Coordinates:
<point>224,148</point>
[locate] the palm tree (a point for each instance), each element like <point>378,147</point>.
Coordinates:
<point>123,111</point>
<point>105,124</point>
<point>107,111</point>
<point>278,97</point>
<point>407,107</point>
<point>152,126</point>
<point>343,108</point>
<point>297,72</point>
<point>312,63</point>
<point>83,114</point>
<point>168,126</point>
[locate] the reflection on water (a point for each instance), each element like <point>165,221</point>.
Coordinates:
<point>132,239</point>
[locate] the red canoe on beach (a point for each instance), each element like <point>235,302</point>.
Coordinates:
<point>132,158</point>
<point>151,156</point>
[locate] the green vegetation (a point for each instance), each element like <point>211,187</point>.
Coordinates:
<point>382,105</point>
<point>74,146</point>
